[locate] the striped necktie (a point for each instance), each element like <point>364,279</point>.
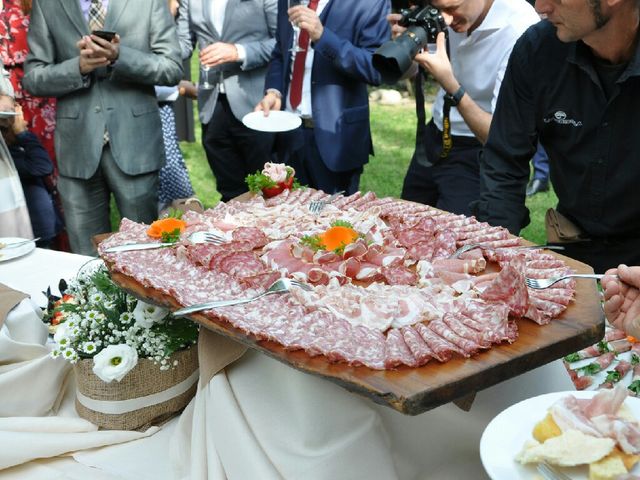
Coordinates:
<point>97,14</point>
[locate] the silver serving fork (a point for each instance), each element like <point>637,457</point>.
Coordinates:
<point>281,285</point>
<point>471,246</point>
<point>195,237</point>
<point>551,473</point>
<point>316,206</point>
<point>539,283</point>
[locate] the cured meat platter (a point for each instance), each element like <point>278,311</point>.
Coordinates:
<point>410,386</point>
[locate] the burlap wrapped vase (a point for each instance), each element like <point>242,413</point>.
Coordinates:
<point>145,396</point>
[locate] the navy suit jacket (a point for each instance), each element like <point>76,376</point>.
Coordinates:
<point>341,70</point>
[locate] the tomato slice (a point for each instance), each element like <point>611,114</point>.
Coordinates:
<point>272,191</point>
<point>288,183</point>
<point>278,189</point>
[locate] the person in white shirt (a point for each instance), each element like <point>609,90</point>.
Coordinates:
<point>481,34</point>
<point>235,38</point>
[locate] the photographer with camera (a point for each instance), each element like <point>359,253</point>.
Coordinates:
<point>444,170</point>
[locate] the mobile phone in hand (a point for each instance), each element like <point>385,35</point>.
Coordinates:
<point>104,34</point>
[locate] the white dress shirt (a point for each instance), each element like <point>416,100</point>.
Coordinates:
<point>480,59</point>
<point>218,8</point>
<point>304,109</point>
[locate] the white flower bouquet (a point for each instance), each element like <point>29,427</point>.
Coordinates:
<point>126,353</point>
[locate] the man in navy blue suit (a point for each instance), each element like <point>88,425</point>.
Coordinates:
<point>326,85</point>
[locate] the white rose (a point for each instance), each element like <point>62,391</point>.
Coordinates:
<point>114,362</point>
<point>275,171</point>
<point>146,315</point>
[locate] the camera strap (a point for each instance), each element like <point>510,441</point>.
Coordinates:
<point>447,140</point>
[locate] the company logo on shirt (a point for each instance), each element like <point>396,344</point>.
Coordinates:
<point>560,118</point>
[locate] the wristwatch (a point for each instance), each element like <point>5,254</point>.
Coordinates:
<point>453,99</point>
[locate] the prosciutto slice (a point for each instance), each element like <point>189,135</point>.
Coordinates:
<point>509,287</point>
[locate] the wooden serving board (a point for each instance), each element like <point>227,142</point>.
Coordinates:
<point>415,390</point>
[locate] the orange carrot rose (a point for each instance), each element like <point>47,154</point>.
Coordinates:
<point>166,225</point>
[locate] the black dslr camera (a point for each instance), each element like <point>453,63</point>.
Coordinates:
<point>393,58</point>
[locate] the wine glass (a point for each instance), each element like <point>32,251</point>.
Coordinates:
<point>204,74</point>
<point>204,77</point>
<point>296,30</point>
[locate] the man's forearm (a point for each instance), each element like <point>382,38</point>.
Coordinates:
<point>475,117</point>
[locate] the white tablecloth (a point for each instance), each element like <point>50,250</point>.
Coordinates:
<point>262,419</point>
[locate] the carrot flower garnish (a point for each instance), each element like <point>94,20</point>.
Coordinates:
<point>166,227</point>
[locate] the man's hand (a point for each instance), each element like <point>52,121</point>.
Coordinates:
<point>96,52</point>
<point>622,298</point>
<point>306,19</point>
<point>271,101</point>
<point>219,53</point>
<point>187,89</point>
<point>396,30</point>
<point>19,123</point>
<point>439,66</point>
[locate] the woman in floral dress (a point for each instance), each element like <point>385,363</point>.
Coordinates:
<point>39,112</point>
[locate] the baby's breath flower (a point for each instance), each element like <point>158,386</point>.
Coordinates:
<point>89,347</point>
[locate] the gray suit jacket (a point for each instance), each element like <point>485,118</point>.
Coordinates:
<point>120,98</point>
<point>251,23</point>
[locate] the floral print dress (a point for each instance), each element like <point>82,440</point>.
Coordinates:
<point>39,112</point>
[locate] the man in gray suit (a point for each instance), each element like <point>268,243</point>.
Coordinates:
<point>235,38</point>
<point>108,134</point>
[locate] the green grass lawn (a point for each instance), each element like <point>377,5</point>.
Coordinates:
<point>393,129</point>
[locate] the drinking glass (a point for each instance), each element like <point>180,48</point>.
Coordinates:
<point>296,30</point>
<point>204,74</point>
<point>204,77</point>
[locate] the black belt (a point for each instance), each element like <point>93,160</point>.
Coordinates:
<point>307,122</point>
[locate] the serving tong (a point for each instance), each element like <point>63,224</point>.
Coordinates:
<point>195,237</point>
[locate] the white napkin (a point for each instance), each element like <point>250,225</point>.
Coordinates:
<point>37,394</point>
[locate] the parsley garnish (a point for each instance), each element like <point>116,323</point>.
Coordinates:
<point>590,369</point>
<point>603,347</point>
<point>635,360</point>
<point>342,223</point>
<point>313,242</point>
<point>573,357</point>
<point>635,387</point>
<point>613,376</point>
<point>171,237</point>
<point>258,181</point>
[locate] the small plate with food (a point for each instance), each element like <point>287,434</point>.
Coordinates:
<point>584,434</point>
<point>14,247</point>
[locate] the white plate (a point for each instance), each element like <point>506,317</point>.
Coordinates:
<point>507,432</point>
<point>277,121</point>
<point>15,252</point>
<point>8,114</point>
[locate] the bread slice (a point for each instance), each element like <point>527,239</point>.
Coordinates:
<point>609,468</point>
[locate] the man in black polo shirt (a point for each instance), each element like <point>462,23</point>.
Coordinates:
<point>572,82</point>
